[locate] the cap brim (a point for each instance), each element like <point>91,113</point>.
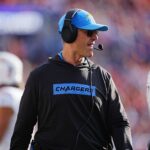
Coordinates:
<point>98,27</point>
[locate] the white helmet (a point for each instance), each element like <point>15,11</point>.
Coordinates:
<point>11,69</point>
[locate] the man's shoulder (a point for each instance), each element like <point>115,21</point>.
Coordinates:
<point>40,68</point>
<point>101,69</point>
<point>42,71</point>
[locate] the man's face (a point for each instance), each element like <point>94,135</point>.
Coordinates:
<point>84,43</point>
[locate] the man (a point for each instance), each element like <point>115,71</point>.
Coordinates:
<point>10,94</point>
<point>74,101</point>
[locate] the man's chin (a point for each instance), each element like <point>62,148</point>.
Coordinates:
<point>90,54</point>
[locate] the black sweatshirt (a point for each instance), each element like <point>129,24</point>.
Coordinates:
<point>76,107</point>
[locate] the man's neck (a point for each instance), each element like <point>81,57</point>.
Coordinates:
<point>71,57</point>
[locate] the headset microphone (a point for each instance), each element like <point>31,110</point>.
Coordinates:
<point>100,47</point>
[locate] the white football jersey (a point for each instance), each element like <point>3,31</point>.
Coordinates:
<point>10,97</point>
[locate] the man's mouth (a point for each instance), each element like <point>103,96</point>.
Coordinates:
<point>91,45</point>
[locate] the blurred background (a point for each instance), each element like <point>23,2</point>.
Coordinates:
<point>28,28</point>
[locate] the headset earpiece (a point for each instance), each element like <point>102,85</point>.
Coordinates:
<point>69,31</point>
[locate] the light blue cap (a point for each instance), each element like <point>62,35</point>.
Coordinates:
<point>82,20</point>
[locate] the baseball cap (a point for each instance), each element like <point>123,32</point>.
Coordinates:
<point>82,20</point>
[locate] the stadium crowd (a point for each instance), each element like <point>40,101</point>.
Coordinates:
<point>126,49</point>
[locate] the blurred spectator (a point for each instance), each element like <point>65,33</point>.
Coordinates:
<point>11,68</point>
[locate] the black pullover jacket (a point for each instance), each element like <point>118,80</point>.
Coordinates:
<point>76,107</point>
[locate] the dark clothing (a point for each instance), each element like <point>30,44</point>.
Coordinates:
<point>77,107</point>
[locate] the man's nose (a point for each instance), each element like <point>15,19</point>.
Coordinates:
<point>95,36</point>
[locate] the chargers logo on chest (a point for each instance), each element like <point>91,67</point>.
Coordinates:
<point>74,88</point>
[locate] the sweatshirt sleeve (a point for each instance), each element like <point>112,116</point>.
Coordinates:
<point>27,116</point>
<point>118,121</point>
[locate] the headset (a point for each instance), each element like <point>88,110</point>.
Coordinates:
<point>69,31</point>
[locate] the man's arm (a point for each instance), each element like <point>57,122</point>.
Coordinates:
<point>118,120</point>
<point>26,119</point>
